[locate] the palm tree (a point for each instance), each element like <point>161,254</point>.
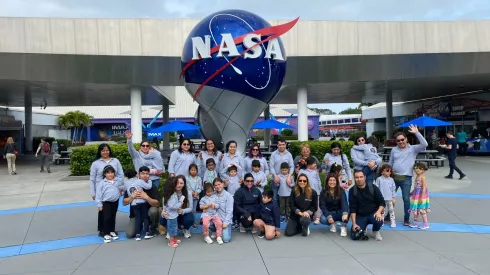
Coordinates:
<point>76,120</point>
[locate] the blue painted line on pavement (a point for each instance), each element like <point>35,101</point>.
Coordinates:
<point>10,251</point>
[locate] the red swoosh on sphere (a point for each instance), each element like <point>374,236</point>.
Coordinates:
<point>273,32</point>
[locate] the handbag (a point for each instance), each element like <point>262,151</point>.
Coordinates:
<point>16,153</point>
<point>399,178</point>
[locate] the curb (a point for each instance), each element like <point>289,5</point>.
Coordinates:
<point>75,178</point>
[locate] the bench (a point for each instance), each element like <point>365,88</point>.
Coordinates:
<point>385,157</point>
<point>433,161</point>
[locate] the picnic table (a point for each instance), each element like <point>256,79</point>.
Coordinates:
<point>428,156</point>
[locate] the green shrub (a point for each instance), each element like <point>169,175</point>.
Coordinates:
<point>354,135</point>
<point>320,148</point>
<point>66,142</point>
<point>287,132</point>
<point>380,135</point>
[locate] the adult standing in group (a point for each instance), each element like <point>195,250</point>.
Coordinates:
<point>366,205</point>
<point>45,149</point>
<point>225,210</point>
<point>204,155</point>
<point>303,204</point>
<point>146,156</point>
<point>365,158</point>
<point>10,154</point>
<point>185,217</point>
<point>104,158</point>
<point>277,157</point>
<point>247,203</point>
<point>152,198</point>
<point>181,159</point>
<point>402,159</point>
<point>254,153</point>
<point>335,156</point>
<point>304,154</point>
<point>451,149</point>
<point>231,157</point>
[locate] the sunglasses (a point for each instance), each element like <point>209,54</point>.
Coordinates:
<point>249,180</point>
<point>255,149</point>
<point>387,170</point>
<point>361,139</point>
<point>400,140</point>
<point>185,144</point>
<point>145,145</point>
<point>301,180</point>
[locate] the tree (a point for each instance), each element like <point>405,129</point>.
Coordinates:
<point>322,111</point>
<point>351,111</point>
<point>77,121</point>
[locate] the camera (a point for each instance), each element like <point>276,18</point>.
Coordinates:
<point>361,234</point>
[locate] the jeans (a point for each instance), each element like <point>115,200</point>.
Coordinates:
<point>369,174</point>
<point>183,221</point>
<point>275,191</point>
<point>153,216</point>
<point>141,216</point>
<point>284,205</point>
<point>405,185</point>
<point>452,166</point>
<point>336,216</point>
<point>363,221</point>
<point>296,226</point>
<point>226,232</point>
<point>171,225</point>
<point>156,182</point>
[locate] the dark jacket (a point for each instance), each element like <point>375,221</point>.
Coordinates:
<point>270,214</point>
<point>329,204</point>
<point>364,202</point>
<point>247,201</point>
<point>9,148</point>
<point>301,204</point>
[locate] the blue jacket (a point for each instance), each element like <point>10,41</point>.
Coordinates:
<point>270,214</point>
<point>247,201</point>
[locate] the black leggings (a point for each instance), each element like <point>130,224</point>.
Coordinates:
<point>108,213</point>
<point>296,226</point>
<point>248,224</point>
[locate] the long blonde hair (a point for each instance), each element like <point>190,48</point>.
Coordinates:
<point>10,140</point>
<point>297,189</point>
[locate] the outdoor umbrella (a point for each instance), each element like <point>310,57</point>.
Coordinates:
<point>271,124</point>
<point>425,121</point>
<point>174,126</point>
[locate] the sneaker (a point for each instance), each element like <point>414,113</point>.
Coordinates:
<point>219,240</point>
<point>49,171</point>
<point>212,235</point>
<point>424,226</point>
<point>448,177</point>
<point>460,177</point>
<point>195,225</point>
<point>305,231</point>
<point>254,230</point>
<point>242,229</point>
<point>148,235</point>
<point>343,232</point>
<point>187,233</point>
<point>168,236</point>
<point>208,240</point>
<point>114,236</point>
<point>107,239</point>
<point>235,225</point>
<point>317,221</point>
<point>393,224</point>
<point>42,171</point>
<point>261,234</point>
<point>414,225</point>
<point>377,235</point>
<point>173,243</point>
<point>138,237</point>
<point>333,228</point>
<point>283,219</point>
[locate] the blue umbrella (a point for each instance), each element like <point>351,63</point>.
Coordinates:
<point>271,124</point>
<point>173,126</point>
<point>426,121</point>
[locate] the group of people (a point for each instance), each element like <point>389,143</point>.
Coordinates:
<point>231,192</point>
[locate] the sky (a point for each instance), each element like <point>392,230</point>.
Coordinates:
<point>356,10</point>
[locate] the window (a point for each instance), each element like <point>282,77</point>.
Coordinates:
<point>355,120</point>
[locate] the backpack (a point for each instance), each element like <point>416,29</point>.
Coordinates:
<point>369,185</point>
<point>46,148</point>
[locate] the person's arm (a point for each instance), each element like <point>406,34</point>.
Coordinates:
<point>377,182</point>
<point>292,203</point>
<point>190,205</point>
<point>173,159</point>
<point>277,216</point>
<point>38,148</point>
<point>98,196</point>
<point>173,203</point>
<point>357,161</point>
<point>247,164</point>
<point>379,160</point>
<point>266,167</point>
<point>423,143</point>
<point>263,180</point>
<point>202,204</point>
<point>353,205</point>
<point>223,169</point>
<point>132,151</point>
<point>127,199</point>
<point>241,171</point>
<point>229,210</point>
<point>323,204</point>
<point>238,204</point>
<point>344,206</point>
<point>392,154</point>
<point>346,166</point>
<point>314,203</point>
<point>93,178</point>
<point>120,174</point>
<point>424,187</point>
<point>291,164</point>
<point>361,147</point>
<point>154,194</point>
<point>158,162</point>
<point>272,163</point>
<point>324,164</point>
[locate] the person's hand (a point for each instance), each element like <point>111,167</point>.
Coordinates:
<point>142,195</point>
<point>35,155</point>
<point>326,160</point>
<point>200,155</point>
<point>300,214</point>
<point>100,208</point>
<point>345,218</point>
<point>165,215</point>
<point>349,182</point>
<point>371,164</point>
<point>225,225</point>
<point>288,180</point>
<point>212,205</point>
<point>128,134</point>
<point>276,179</point>
<point>378,216</point>
<point>172,175</point>
<point>179,211</point>
<point>93,198</point>
<point>306,214</point>
<point>194,194</point>
<point>330,221</point>
<point>393,200</point>
<point>250,218</point>
<point>205,210</point>
<point>413,129</point>
<point>355,227</point>
<point>278,233</point>
<point>240,180</point>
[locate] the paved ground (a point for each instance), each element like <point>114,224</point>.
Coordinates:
<point>48,226</point>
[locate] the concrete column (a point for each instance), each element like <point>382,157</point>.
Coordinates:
<point>267,132</point>
<point>166,135</point>
<point>136,120</point>
<point>302,113</point>
<point>28,119</point>
<point>389,114</point>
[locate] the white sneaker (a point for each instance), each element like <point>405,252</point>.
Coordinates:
<point>317,221</point>
<point>393,224</point>
<point>219,240</point>
<point>343,232</point>
<point>168,236</point>
<point>242,229</point>
<point>187,233</point>
<point>208,240</point>
<point>333,228</point>
<point>114,236</point>
<point>107,239</point>
<point>377,235</point>
<point>308,234</point>
<point>254,230</point>
<point>212,235</point>
<point>138,237</point>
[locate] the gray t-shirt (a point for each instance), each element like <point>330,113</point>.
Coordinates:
<point>41,151</point>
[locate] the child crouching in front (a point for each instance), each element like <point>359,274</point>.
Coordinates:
<point>107,199</point>
<point>209,204</point>
<point>269,223</point>
<point>139,206</point>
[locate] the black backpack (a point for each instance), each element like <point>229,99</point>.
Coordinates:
<point>369,185</point>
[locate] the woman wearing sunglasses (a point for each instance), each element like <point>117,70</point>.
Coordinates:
<point>303,203</point>
<point>254,153</point>
<point>181,159</point>
<point>365,157</point>
<point>247,204</point>
<point>146,156</point>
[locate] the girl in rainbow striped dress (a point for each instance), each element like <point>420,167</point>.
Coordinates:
<point>419,198</point>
